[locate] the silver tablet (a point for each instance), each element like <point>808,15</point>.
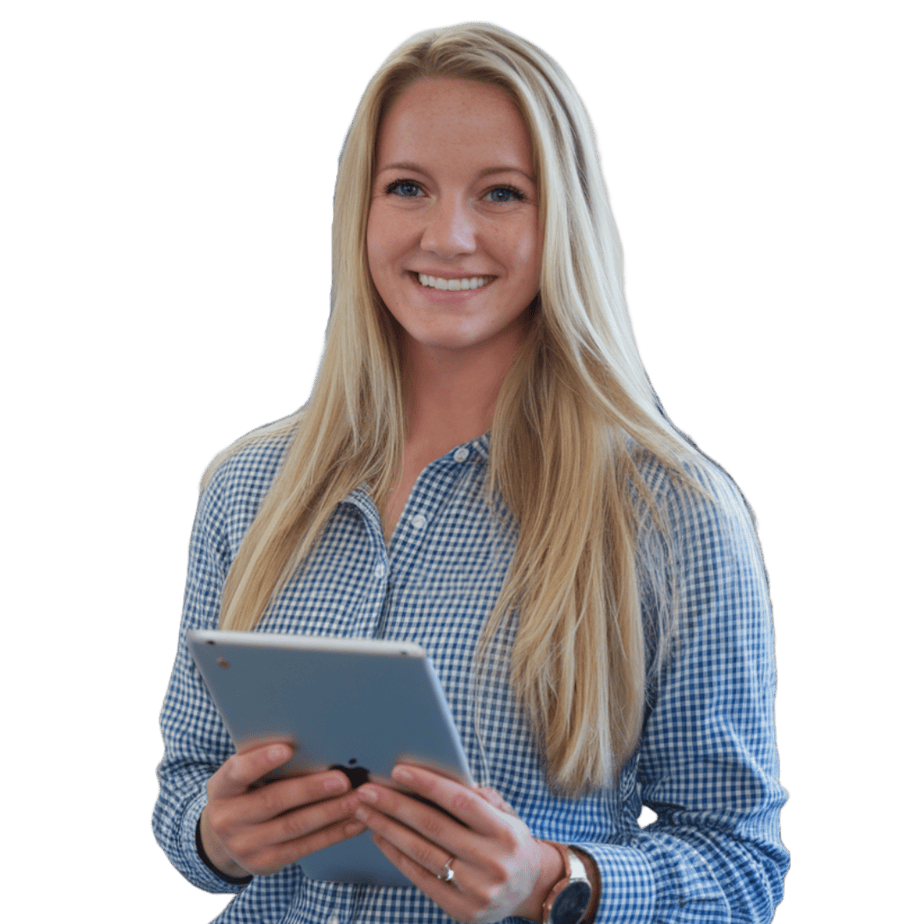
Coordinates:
<point>360,705</point>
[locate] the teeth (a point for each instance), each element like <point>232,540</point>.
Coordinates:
<point>452,285</point>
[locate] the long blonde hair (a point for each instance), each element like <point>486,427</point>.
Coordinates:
<point>573,415</point>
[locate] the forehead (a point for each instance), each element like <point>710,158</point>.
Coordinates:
<point>441,117</point>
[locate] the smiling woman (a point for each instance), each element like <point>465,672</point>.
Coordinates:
<point>483,468</point>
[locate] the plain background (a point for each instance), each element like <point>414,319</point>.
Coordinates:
<point>166,176</point>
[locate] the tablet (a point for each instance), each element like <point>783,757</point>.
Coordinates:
<point>355,704</point>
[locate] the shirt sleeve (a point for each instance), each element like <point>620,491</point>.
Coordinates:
<point>707,761</point>
<point>195,740</point>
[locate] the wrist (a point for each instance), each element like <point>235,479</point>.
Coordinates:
<point>551,870</point>
<point>212,853</point>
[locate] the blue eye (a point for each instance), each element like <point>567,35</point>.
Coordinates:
<point>405,188</point>
<point>501,194</point>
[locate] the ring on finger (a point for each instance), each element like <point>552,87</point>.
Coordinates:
<point>447,873</point>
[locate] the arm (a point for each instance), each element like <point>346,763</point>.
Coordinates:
<point>196,743</point>
<point>707,761</point>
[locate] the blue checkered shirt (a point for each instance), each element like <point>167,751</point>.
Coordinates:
<point>707,761</point>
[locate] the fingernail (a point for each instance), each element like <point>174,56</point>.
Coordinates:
<point>361,814</point>
<point>352,828</point>
<point>336,784</point>
<point>367,794</point>
<point>404,776</point>
<point>276,753</point>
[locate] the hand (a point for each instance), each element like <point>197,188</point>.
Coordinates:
<point>498,868</point>
<point>258,831</point>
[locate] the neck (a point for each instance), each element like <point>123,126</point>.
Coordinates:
<point>451,399</point>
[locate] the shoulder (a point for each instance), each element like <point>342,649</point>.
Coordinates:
<point>250,463</point>
<point>695,489</point>
<point>233,488</point>
<point>697,519</point>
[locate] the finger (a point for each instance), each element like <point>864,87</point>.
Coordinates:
<point>263,859</point>
<point>450,898</point>
<point>307,820</point>
<point>283,796</point>
<point>428,838</point>
<point>239,772</point>
<point>416,830</point>
<point>468,805</point>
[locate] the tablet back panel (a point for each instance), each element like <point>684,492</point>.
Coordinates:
<point>361,705</point>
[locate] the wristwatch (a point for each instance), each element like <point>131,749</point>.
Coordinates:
<point>570,897</point>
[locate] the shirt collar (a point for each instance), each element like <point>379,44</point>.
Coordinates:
<point>481,446</point>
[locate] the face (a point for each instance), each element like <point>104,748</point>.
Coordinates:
<point>454,238</point>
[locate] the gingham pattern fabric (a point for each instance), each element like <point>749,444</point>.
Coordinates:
<point>707,761</point>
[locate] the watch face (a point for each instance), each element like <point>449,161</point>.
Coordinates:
<point>571,903</point>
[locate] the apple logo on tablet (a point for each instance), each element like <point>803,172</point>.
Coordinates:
<point>356,775</point>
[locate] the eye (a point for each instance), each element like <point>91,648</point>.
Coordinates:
<point>407,189</point>
<point>502,194</point>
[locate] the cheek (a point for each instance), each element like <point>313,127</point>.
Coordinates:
<point>379,233</point>
<point>373,237</point>
<point>387,239</point>
<point>526,254</point>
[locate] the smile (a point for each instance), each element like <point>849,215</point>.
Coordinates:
<point>453,285</point>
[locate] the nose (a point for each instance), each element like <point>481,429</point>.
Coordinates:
<point>450,230</point>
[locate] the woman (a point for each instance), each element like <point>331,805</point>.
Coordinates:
<point>588,586</point>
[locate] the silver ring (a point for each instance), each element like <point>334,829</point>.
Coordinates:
<point>447,873</point>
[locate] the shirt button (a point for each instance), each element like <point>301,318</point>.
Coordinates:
<point>418,521</point>
<point>461,454</point>
<point>380,570</point>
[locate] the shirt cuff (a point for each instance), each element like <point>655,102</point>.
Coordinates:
<point>628,891</point>
<point>652,880</point>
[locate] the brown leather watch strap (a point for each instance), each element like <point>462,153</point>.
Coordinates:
<point>553,892</point>
<point>590,873</point>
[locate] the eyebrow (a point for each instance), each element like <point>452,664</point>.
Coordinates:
<point>488,171</point>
